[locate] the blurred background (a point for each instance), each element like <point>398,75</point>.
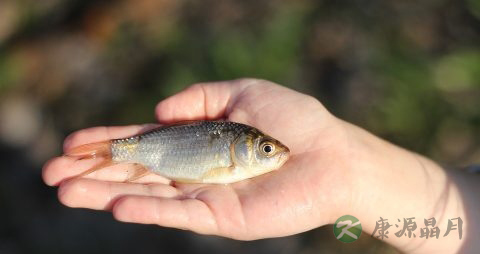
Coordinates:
<point>408,71</point>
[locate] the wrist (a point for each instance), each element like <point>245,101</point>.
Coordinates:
<point>397,184</point>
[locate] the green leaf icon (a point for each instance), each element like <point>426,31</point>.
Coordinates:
<point>347,229</point>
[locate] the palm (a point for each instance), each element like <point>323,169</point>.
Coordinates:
<point>275,204</point>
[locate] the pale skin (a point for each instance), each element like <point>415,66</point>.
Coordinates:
<point>335,169</point>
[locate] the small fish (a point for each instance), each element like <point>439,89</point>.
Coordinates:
<point>193,152</point>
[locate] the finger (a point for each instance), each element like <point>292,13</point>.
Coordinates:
<point>102,133</point>
<point>191,214</point>
<point>99,195</point>
<point>201,101</point>
<point>62,168</point>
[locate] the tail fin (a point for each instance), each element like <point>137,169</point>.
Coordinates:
<point>92,150</point>
<point>103,150</point>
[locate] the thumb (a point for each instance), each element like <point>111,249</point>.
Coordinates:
<point>202,101</point>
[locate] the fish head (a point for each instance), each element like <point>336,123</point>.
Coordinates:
<point>260,153</point>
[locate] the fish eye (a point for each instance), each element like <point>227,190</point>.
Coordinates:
<point>267,148</point>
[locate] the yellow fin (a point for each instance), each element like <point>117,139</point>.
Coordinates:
<point>103,164</point>
<point>92,150</point>
<point>216,174</point>
<point>139,171</point>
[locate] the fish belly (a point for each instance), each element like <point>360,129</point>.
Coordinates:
<point>189,153</point>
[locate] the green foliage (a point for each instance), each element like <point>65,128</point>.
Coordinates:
<point>409,71</point>
<point>418,63</point>
<point>9,72</point>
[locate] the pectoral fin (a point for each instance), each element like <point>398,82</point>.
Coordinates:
<point>218,174</point>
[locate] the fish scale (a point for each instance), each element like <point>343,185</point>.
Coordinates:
<point>191,150</point>
<point>200,151</point>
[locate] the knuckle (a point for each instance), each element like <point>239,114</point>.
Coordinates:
<point>312,100</point>
<point>255,81</point>
<point>120,209</point>
<point>162,191</point>
<point>198,86</point>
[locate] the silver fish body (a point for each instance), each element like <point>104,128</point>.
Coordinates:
<point>203,152</point>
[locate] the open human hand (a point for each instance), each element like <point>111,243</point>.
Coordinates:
<point>334,169</point>
<point>298,197</point>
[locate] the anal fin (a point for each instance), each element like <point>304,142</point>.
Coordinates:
<point>139,171</point>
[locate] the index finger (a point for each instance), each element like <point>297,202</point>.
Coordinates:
<point>202,101</point>
<point>102,133</point>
